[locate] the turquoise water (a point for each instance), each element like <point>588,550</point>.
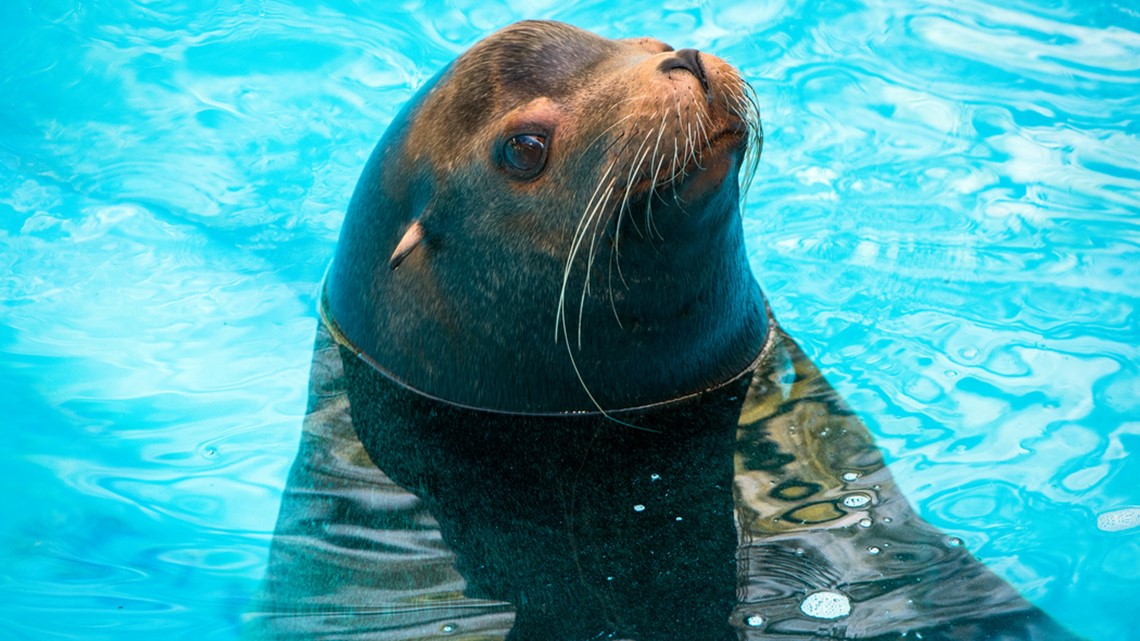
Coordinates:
<point>945,217</point>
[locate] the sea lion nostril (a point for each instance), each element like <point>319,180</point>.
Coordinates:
<point>689,60</point>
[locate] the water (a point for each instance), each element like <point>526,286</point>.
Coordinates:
<point>944,217</point>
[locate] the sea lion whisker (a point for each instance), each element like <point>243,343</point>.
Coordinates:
<point>610,283</point>
<point>560,314</point>
<point>689,147</point>
<point>690,154</point>
<point>615,251</point>
<point>635,167</point>
<point>650,229</point>
<point>591,218</point>
<point>698,133</point>
<point>749,111</point>
<point>578,238</point>
<point>615,259</point>
<point>658,168</point>
<point>649,205</point>
<point>620,152</point>
<point>748,108</point>
<point>657,146</point>
<point>630,99</point>
<point>749,94</point>
<point>695,153</point>
<point>700,128</point>
<point>594,236</point>
<point>686,153</point>
<point>609,129</point>
<point>566,332</point>
<point>586,389</point>
<point>703,121</point>
<point>597,217</point>
<point>673,170</point>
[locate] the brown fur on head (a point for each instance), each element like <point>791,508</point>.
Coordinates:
<point>595,94</point>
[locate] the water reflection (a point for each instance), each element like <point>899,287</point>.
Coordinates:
<point>761,510</point>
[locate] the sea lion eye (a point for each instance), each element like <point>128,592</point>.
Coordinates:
<point>525,154</point>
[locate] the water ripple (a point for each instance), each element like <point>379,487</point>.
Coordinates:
<point>945,217</point>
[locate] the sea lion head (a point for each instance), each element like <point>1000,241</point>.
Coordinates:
<point>551,225</point>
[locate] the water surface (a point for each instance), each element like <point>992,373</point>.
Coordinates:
<point>945,217</point>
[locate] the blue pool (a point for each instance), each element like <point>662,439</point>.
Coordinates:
<point>946,217</point>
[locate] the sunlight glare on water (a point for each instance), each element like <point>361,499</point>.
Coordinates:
<point>945,217</point>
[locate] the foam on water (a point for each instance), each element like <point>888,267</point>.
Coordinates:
<point>1119,520</point>
<point>826,604</point>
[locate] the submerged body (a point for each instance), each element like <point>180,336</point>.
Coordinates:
<point>358,556</point>
<point>549,402</point>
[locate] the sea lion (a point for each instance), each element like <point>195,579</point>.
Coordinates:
<point>549,401</point>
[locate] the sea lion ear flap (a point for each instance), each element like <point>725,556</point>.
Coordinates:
<point>409,242</point>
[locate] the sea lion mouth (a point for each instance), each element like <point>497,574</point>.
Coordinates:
<point>709,150</point>
<point>732,136</point>
<point>679,140</point>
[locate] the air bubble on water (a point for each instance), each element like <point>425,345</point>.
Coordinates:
<point>864,522</point>
<point>754,621</point>
<point>654,477</point>
<point>639,508</point>
<point>1119,520</point>
<point>954,542</point>
<point>799,552</point>
<point>873,550</point>
<point>856,500</point>
<point>850,476</point>
<point>609,578</point>
<point>826,604</point>
<point>210,452</point>
<point>886,519</point>
<point>680,518</point>
<point>448,628</point>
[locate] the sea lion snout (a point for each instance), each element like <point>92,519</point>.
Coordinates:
<point>687,60</point>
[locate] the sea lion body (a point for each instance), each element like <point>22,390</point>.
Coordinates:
<point>548,400</point>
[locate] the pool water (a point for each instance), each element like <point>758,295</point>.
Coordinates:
<point>946,217</point>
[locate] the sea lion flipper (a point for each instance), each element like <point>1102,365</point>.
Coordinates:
<point>820,514</point>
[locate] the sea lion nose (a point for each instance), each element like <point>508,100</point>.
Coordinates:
<point>689,60</point>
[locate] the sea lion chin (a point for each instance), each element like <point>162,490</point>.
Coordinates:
<point>551,225</point>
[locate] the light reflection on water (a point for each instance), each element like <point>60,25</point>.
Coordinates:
<point>944,217</point>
